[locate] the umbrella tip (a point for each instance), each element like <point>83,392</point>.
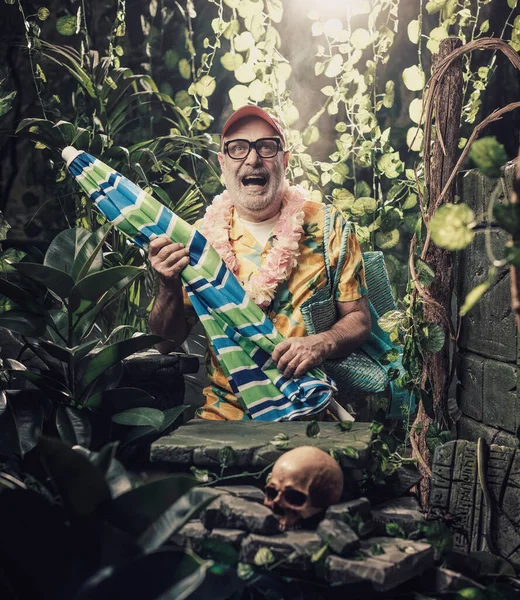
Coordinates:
<point>69,154</point>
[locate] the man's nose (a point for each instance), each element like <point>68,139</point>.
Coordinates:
<point>253,158</point>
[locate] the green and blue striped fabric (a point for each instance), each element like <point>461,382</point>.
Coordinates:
<point>242,335</point>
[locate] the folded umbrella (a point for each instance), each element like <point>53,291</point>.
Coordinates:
<point>241,334</point>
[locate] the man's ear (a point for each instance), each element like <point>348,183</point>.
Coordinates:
<point>221,159</point>
<point>286,157</point>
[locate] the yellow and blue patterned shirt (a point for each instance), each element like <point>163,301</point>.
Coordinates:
<point>308,276</point>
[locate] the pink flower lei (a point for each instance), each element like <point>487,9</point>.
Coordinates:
<point>280,260</point>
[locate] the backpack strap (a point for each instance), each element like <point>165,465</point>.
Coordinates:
<point>327,225</point>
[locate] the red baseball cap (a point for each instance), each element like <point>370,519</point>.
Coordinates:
<point>253,111</point>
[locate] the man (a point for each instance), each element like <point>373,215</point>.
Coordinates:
<point>271,237</point>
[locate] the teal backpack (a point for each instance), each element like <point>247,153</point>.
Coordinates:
<point>362,372</point>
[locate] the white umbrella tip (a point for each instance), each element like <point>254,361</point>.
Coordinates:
<point>69,154</point>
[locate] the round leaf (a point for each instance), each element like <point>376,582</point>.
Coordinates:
<point>334,66</point>
<point>239,95</point>
<point>231,61</point>
<point>387,240</point>
<point>414,78</point>
<point>66,25</point>
<point>452,225</point>
<point>433,338</point>
<point>360,39</point>
<point>413,31</point>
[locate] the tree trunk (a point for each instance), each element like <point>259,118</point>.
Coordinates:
<point>436,367</point>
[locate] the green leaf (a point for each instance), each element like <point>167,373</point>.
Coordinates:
<point>377,550</point>
<point>313,429</point>
<point>391,320</point>
<point>81,486</point>
<point>391,165</point>
<point>231,61</point>
<point>394,530</point>
<point>226,457</point>
<point>334,66</point>
<point>66,25</point>
<point>6,103</point>
<point>59,352</point>
<point>433,338</point>
<point>390,356</point>
<point>512,3</point>
<point>474,296</point>
<point>21,413</point>
<point>174,518</point>
<point>20,297</point>
<point>92,287</point>
<point>89,257</point>
<point>387,240</point>
<point>452,226</point>
<point>414,78</point>
<point>57,281</point>
<point>413,31</point>
<point>263,557</point>
<point>150,417</point>
<point>73,426</point>
<point>110,355</point>
<point>425,273</point>
<point>54,389</point>
<point>139,433</point>
<point>65,247</point>
<point>488,155</point>
<point>24,323</point>
<point>507,216</point>
<point>137,509</point>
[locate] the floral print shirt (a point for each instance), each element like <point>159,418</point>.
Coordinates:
<point>307,277</point>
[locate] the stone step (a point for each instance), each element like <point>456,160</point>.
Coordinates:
<point>253,445</point>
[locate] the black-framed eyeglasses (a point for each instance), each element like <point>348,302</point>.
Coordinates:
<point>265,148</point>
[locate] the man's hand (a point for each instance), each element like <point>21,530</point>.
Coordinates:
<point>296,355</point>
<point>168,259</point>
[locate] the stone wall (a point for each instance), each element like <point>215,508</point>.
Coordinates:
<point>488,354</point>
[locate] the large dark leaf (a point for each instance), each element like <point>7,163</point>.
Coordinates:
<point>27,409</point>
<point>64,249</point>
<point>138,509</point>
<point>114,401</point>
<point>92,287</point>
<point>82,487</point>
<point>59,352</point>
<point>163,575</point>
<point>90,258</point>
<point>84,324</point>
<point>21,422</point>
<point>52,388</point>
<point>174,518</point>
<point>115,473</point>
<point>20,297</point>
<point>138,433</point>
<point>57,281</point>
<point>73,426</point>
<point>114,353</point>
<point>148,417</point>
<point>25,323</point>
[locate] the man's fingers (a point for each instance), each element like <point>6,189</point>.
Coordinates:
<point>280,349</point>
<point>176,256</point>
<point>160,242</point>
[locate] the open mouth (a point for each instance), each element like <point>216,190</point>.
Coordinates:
<point>259,181</point>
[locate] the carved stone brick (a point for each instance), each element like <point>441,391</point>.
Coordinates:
<point>456,490</point>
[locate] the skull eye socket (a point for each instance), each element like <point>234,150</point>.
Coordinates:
<point>294,498</point>
<point>271,493</point>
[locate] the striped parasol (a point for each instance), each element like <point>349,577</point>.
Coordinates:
<point>242,336</point>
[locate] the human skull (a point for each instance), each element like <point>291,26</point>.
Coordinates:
<point>304,482</point>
